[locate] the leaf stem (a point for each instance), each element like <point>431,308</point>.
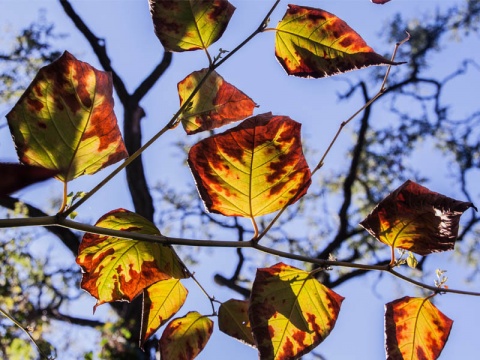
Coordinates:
<point>210,298</point>
<point>42,354</point>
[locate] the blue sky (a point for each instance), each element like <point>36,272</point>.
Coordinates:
<point>134,49</point>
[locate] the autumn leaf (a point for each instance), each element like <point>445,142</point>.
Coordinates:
<point>161,301</point>
<point>416,219</point>
<point>190,25</point>
<point>17,176</point>
<point>233,320</point>
<point>379,1</point>
<point>185,337</point>
<point>120,269</point>
<point>415,329</point>
<point>253,169</point>
<point>315,43</point>
<point>290,312</point>
<point>65,121</point>
<point>217,103</point>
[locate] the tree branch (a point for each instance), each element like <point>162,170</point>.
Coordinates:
<point>66,236</point>
<point>99,48</point>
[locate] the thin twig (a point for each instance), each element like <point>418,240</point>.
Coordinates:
<point>42,354</point>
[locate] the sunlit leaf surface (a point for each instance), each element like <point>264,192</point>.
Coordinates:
<point>216,103</point>
<point>290,312</point>
<point>315,43</point>
<point>416,219</point>
<point>161,301</point>
<point>253,169</point>
<point>233,320</point>
<point>185,337</point>
<point>65,121</point>
<point>120,269</point>
<point>17,176</point>
<point>190,25</point>
<point>415,329</point>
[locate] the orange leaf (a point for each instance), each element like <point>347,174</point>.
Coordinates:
<point>415,329</point>
<point>120,269</point>
<point>161,301</point>
<point>190,25</point>
<point>65,121</point>
<point>416,219</point>
<point>185,337</point>
<point>217,103</point>
<point>314,43</point>
<point>233,320</point>
<point>17,176</point>
<point>290,312</point>
<point>253,169</point>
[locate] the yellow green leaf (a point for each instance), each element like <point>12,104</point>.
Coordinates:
<point>315,43</point>
<point>416,219</point>
<point>190,24</point>
<point>415,329</point>
<point>120,269</point>
<point>290,312</point>
<point>217,103</point>
<point>65,121</point>
<point>185,337</point>
<point>253,169</point>
<point>161,301</point>
<point>233,320</point>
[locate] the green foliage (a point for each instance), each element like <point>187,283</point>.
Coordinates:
<point>251,170</point>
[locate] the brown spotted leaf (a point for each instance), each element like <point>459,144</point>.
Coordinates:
<point>233,320</point>
<point>290,312</point>
<point>190,25</point>
<point>161,301</point>
<point>253,169</point>
<point>185,337</point>
<point>415,329</point>
<point>315,43</point>
<point>120,269</point>
<point>14,177</point>
<point>65,121</point>
<point>416,219</point>
<point>216,103</point>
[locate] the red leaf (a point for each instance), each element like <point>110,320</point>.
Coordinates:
<point>416,219</point>
<point>65,120</point>
<point>415,329</point>
<point>217,103</point>
<point>253,169</point>
<point>315,43</point>
<point>381,2</point>
<point>14,177</point>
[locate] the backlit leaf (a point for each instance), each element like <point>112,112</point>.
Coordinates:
<point>120,269</point>
<point>315,43</point>
<point>290,312</point>
<point>161,301</point>
<point>216,103</point>
<point>185,337</point>
<point>253,169</point>
<point>380,1</point>
<point>65,121</point>
<point>233,320</point>
<point>14,177</point>
<point>191,24</point>
<point>416,219</point>
<point>415,329</point>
